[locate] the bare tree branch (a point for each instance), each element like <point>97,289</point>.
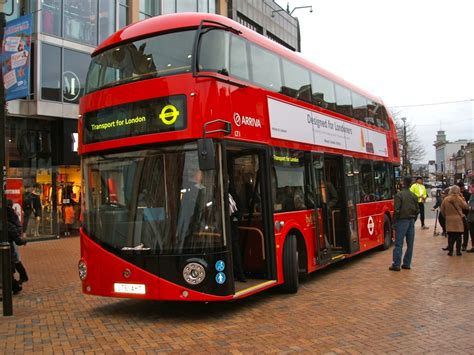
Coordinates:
<point>415,150</point>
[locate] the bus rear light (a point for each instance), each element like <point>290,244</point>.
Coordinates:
<point>82,268</point>
<point>194,273</point>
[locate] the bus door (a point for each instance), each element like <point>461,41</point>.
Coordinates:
<point>334,204</point>
<point>351,177</point>
<point>321,232</point>
<point>248,169</point>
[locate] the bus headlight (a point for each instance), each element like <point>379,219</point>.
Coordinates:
<point>82,267</point>
<point>194,273</point>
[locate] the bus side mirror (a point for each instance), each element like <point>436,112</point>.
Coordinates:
<point>206,154</point>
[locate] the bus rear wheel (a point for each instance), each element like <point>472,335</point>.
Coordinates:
<point>387,233</point>
<point>290,265</point>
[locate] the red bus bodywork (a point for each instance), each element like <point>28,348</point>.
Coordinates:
<point>215,98</point>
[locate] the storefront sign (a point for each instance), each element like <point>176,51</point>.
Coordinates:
<point>71,86</point>
<point>298,124</point>
<point>165,114</point>
<point>14,192</point>
<point>16,57</point>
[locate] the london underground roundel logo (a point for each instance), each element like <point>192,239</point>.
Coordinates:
<point>169,114</point>
<point>370,225</point>
<point>237,119</point>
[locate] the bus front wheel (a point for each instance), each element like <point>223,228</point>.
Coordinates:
<point>290,265</point>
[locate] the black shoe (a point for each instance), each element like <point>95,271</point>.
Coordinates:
<point>450,253</point>
<point>470,250</point>
<point>458,253</point>
<point>16,288</point>
<point>394,268</point>
<point>406,267</point>
<point>445,248</point>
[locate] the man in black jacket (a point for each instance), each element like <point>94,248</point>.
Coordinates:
<point>406,210</point>
<point>465,235</point>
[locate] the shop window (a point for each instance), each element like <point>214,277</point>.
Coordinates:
<point>51,17</point>
<point>295,81</point>
<point>290,180</point>
<point>323,92</point>
<point>80,18</point>
<point>124,17</point>
<point>203,6</point>
<point>74,75</point>
<point>367,190</point>
<point>106,19</point>
<point>50,72</point>
<point>212,6</point>
<point>186,6</point>
<point>147,9</point>
<point>169,6</point>
<point>265,67</point>
<point>343,100</point>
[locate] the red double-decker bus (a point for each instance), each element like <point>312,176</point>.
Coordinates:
<point>181,109</point>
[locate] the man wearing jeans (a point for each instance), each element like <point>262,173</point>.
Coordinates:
<point>406,210</point>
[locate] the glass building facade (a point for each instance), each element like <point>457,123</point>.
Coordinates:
<point>41,129</point>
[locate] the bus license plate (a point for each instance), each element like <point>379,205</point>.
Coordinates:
<point>137,289</point>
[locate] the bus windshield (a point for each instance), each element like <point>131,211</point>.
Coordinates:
<point>161,55</point>
<point>155,200</point>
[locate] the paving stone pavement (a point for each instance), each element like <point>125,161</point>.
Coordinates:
<point>356,306</point>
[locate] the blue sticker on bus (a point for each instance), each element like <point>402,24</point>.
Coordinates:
<point>220,265</point>
<point>220,278</point>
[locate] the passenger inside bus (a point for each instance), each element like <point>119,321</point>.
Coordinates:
<point>192,202</point>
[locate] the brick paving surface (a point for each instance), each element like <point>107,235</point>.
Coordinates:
<point>356,306</point>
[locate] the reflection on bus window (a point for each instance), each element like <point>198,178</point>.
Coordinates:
<point>165,54</point>
<point>291,194</point>
<point>367,191</point>
<point>265,68</point>
<point>153,199</point>
<point>214,52</point>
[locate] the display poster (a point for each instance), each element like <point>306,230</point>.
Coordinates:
<point>16,57</point>
<point>14,192</point>
<point>295,123</point>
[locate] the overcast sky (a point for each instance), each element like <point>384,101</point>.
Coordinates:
<point>408,52</point>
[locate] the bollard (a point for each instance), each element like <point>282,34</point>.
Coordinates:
<point>6,279</point>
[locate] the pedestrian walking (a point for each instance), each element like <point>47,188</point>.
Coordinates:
<point>420,191</point>
<point>69,218</point>
<point>465,235</point>
<point>406,210</point>
<point>440,196</point>
<point>14,237</point>
<point>452,209</point>
<point>470,221</point>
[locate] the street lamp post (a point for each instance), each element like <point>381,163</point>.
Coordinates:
<point>405,153</point>
<point>4,244</point>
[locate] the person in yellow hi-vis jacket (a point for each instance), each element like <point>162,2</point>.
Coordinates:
<point>420,191</point>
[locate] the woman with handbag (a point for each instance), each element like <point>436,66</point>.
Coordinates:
<point>452,209</point>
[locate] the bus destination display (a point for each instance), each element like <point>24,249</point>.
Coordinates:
<point>164,114</point>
